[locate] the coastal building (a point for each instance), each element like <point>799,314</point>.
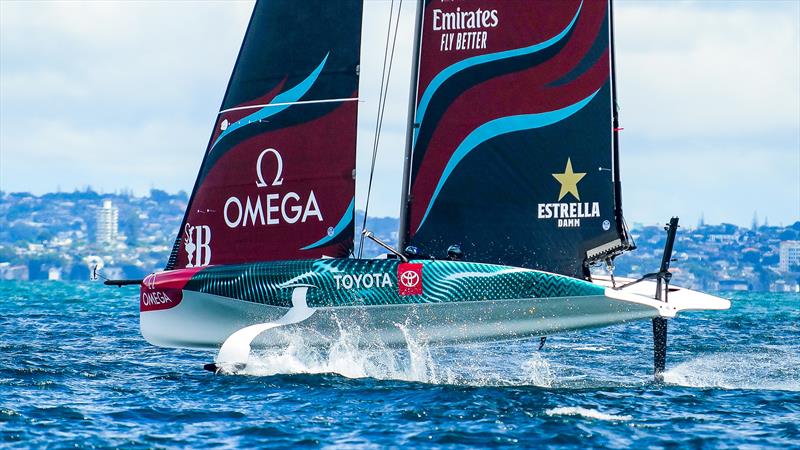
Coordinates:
<point>789,255</point>
<point>107,223</point>
<point>13,272</point>
<point>722,238</point>
<point>733,285</point>
<point>54,274</point>
<point>785,285</point>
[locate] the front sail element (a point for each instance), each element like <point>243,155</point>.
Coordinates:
<point>512,148</point>
<point>277,181</point>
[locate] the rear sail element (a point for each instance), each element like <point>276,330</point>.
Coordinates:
<point>513,142</point>
<point>277,180</point>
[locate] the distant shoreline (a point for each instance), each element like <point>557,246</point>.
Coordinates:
<point>62,235</point>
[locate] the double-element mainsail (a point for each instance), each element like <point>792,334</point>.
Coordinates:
<point>512,135</point>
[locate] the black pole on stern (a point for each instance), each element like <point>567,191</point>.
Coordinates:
<point>662,293</point>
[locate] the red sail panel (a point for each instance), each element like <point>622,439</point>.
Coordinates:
<point>512,152</point>
<point>277,181</point>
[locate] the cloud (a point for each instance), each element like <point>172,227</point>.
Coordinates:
<point>124,94</point>
<point>710,101</point>
<point>725,184</point>
<point>127,59</point>
<point>61,154</point>
<point>108,94</point>
<point>688,69</point>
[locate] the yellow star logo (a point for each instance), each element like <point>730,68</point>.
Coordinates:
<point>569,181</point>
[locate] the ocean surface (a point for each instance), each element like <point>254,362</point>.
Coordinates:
<point>74,372</point>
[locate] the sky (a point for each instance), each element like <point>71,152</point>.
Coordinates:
<point>123,95</point>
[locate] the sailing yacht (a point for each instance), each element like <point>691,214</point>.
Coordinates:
<point>511,188</point>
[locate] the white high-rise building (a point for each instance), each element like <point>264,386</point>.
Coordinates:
<point>789,255</point>
<point>107,223</point>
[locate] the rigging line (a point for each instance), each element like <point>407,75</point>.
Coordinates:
<point>383,89</point>
<point>383,108</point>
<point>377,124</point>
<point>385,76</point>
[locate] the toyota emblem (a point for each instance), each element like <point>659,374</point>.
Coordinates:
<point>409,279</point>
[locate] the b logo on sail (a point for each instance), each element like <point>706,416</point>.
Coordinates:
<point>197,243</point>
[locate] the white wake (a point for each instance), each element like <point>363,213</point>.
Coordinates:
<point>416,361</point>
<point>768,369</point>
<point>587,413</point>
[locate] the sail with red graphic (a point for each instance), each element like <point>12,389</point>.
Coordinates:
<point>277,180</point>
<point>513,144</point>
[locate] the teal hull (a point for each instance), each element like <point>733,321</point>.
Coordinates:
<point>369,282</point>
<point>453,302</point>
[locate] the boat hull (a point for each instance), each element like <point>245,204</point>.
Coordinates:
<point>206,321</point>
<point>453,302</point>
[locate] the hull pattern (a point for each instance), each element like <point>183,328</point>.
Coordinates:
<point>453,302</point>
<point>352,282</point>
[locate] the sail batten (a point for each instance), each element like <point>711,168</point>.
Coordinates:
<point>307,102</point>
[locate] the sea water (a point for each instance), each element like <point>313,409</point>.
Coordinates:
<point>74,372</point>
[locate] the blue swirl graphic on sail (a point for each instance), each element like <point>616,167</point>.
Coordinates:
<point>278,104</point>
<point>495,128</point>
<point>453,69</point>
<point>337,230</point>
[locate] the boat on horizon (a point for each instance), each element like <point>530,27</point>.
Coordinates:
<point>511,189</point>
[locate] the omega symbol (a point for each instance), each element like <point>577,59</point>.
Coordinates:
<point>278,172</point>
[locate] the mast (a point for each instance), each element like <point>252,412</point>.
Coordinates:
<point>405,200</point>
<point>615,124</point>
